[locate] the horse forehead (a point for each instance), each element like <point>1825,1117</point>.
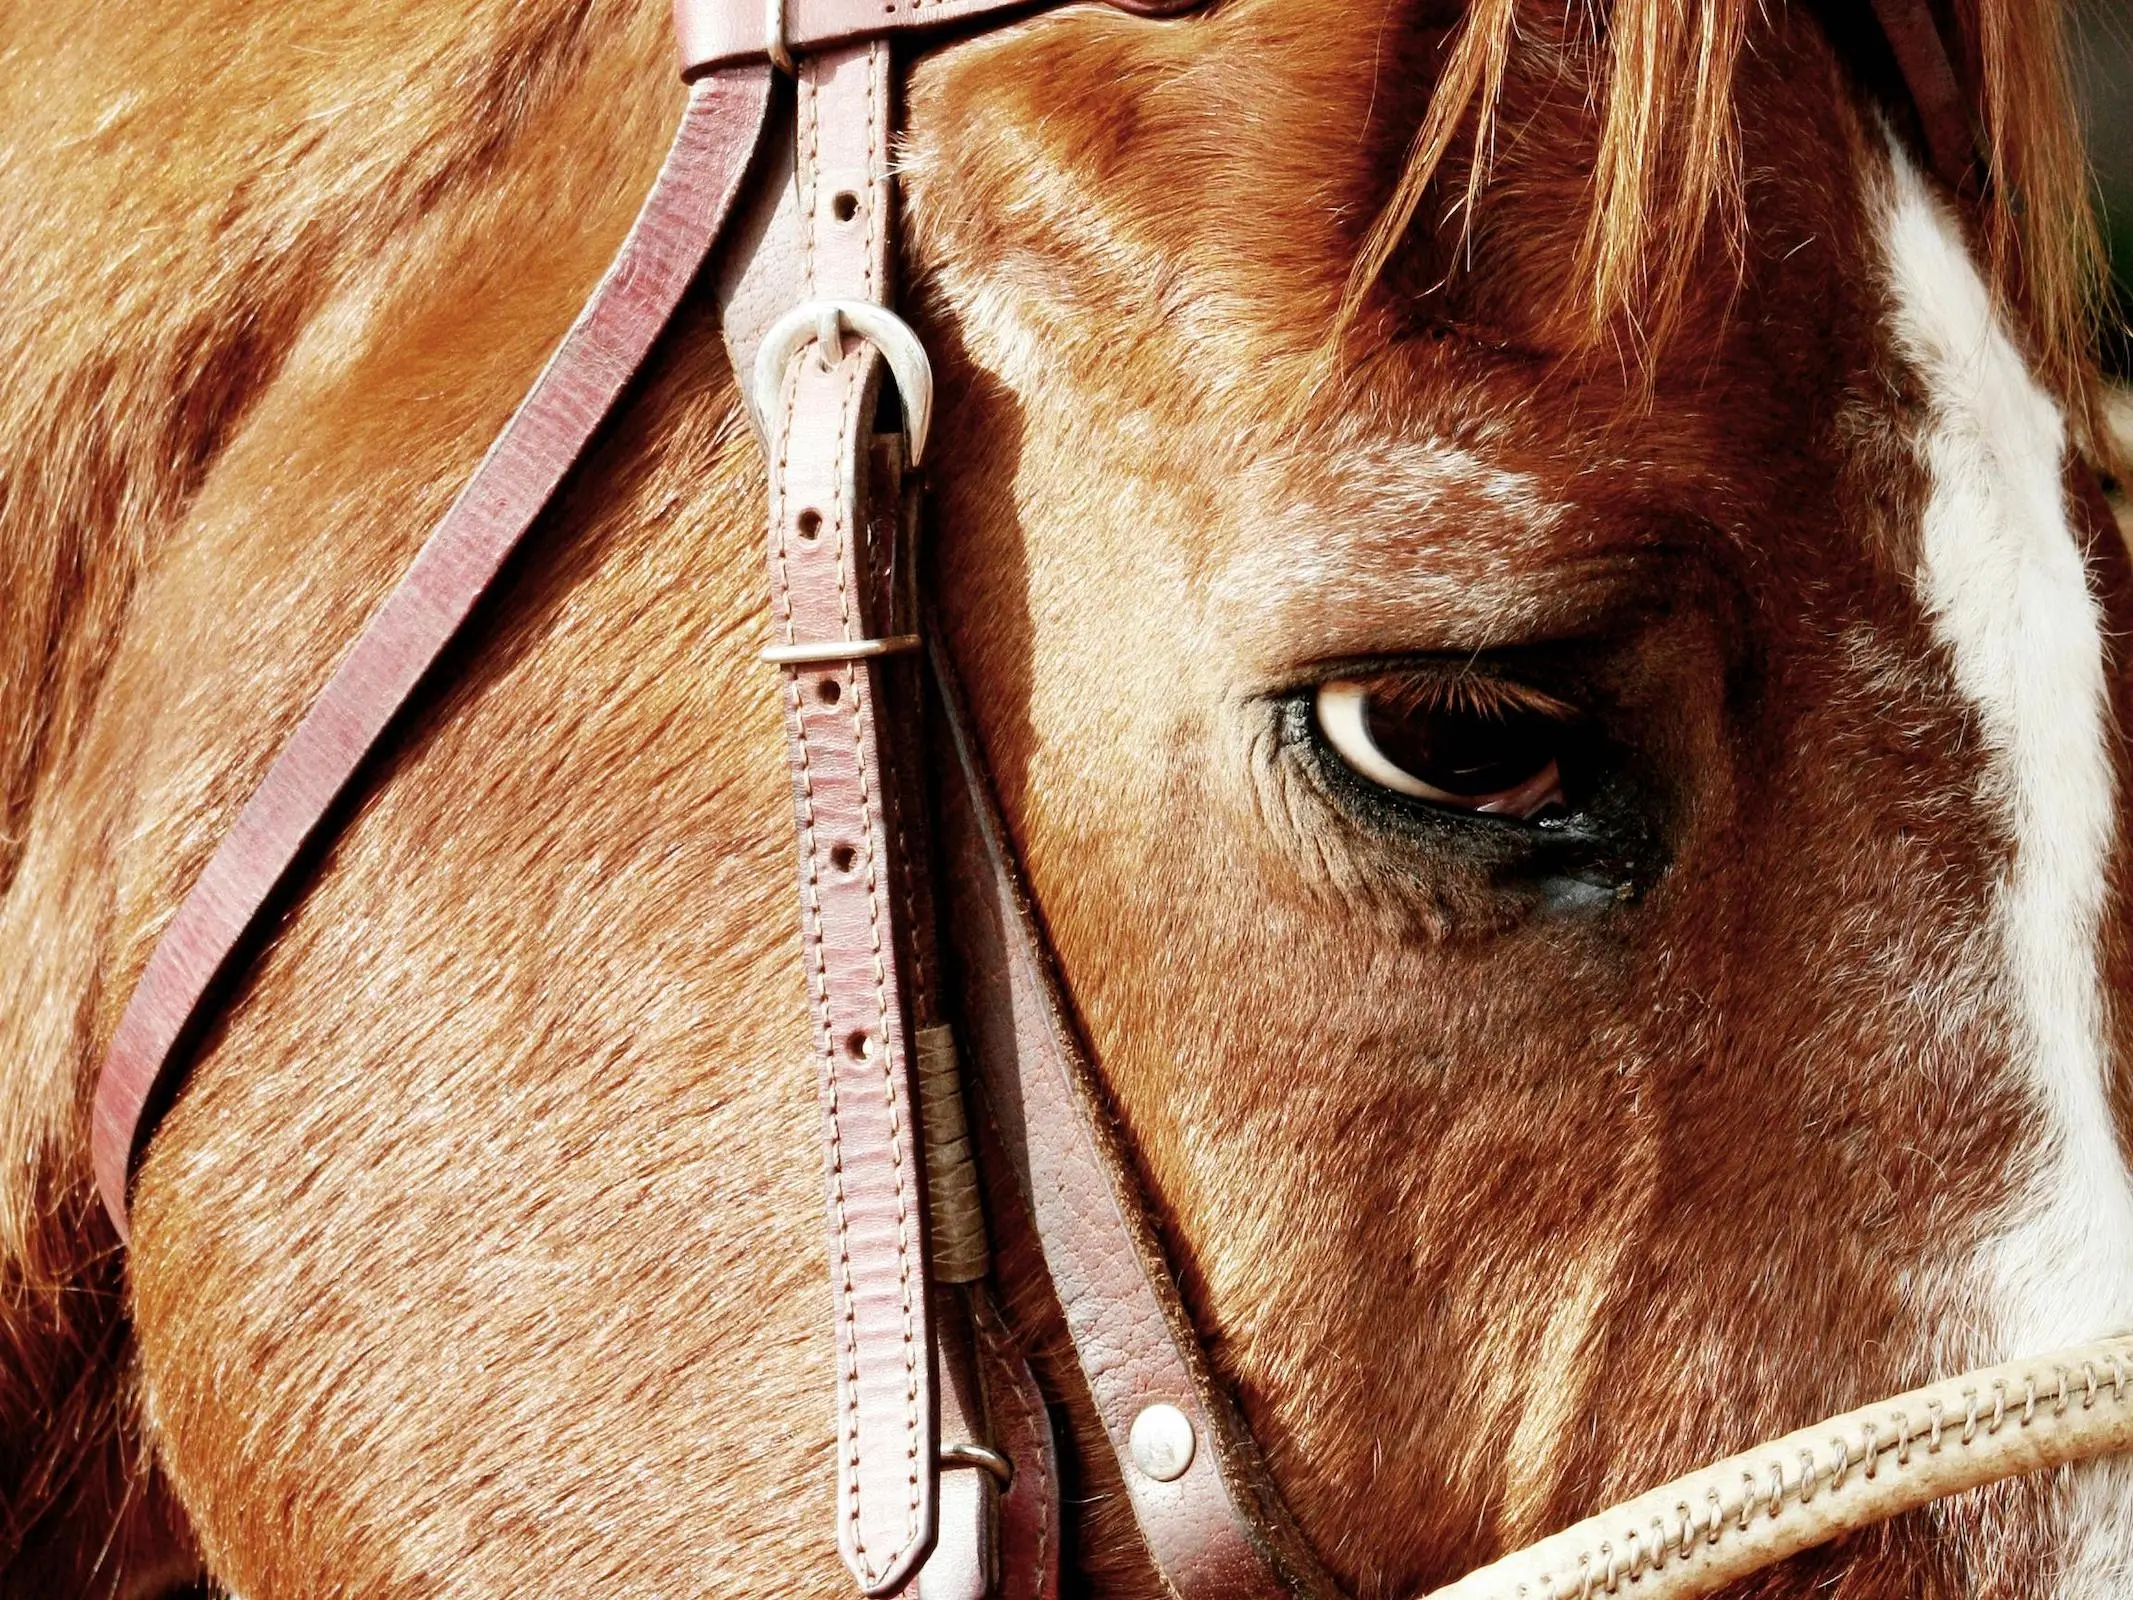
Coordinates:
<point>1222,169</point>
<point>1217,179</point>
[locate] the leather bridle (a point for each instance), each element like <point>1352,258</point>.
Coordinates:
<point>947,1474</point>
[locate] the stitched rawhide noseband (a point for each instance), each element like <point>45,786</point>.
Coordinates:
<point>947,1478</point>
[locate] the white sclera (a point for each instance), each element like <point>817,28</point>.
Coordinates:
<point>1344,717</point>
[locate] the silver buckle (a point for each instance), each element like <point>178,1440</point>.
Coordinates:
<point>981,1457</point>
<point>823,323</point>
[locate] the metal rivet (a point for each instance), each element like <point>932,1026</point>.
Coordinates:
<point>1163,1443</point>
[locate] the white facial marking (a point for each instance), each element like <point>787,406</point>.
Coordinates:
<point>2002,580</point>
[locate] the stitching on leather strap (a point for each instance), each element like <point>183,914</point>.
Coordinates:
<point>846,531</point>
<point>875,203</point>
<point>851,443</point>
<point>826,406</point>
<point>907,893</point>
<point>1042,1465</point>
<point>810,121</point>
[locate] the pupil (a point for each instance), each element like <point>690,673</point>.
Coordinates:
<point>1463,752</point>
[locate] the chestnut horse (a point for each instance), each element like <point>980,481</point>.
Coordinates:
<point>1520,571</point>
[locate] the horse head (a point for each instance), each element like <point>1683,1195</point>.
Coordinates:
<point>1527,583</point>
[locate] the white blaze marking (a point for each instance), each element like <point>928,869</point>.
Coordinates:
<point>2002,580</point>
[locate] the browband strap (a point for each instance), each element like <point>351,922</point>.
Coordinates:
<point>720,33</point>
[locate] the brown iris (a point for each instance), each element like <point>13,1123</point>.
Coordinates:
<point>1465,742</point>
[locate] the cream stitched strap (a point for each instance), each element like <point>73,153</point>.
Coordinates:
<point>1700,1532</point>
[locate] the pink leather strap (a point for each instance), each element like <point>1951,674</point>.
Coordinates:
<point>856,930</point>
<point>1026,1563</point>
<point>603,350</point>
<point>719,33</point>
<point>960,1566</point>
<point>1218,1531</point>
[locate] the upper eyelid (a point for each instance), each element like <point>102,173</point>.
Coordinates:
<point>1427,600</point>
<point>1425,604</point>
<point>1479,667</point>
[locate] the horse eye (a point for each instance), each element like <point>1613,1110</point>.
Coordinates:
<point>1469,745</point>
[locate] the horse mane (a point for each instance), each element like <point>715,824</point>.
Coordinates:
<point>1667,178</point>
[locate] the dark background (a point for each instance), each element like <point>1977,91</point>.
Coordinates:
<point>2103,62</point>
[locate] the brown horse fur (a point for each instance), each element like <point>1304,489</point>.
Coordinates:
<point>480,1255</point>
